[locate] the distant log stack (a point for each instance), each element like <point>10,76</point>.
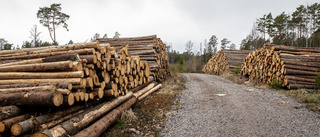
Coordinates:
<point>150,49</point>
<point>70,75</point>
<point>296,67</point>
<point>225,60</point>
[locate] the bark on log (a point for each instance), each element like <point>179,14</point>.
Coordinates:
<point>33,123</point>
<point>63,65</point>
<point>51,98</point>
<point>5,125</point>
<point>76,81</point>
<point>28,89</point>
<point>101,125</point>
<point>9,111</point>
<point>149,92</point>
<point>41,75</point>
<point>77,123</point>
<point>144,90</point>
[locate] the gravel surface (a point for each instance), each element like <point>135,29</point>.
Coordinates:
<point>215,106</point>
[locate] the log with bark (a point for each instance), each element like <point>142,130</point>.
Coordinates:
<point>296,67</point>
<point>226,60</point>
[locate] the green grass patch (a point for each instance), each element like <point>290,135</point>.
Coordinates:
<point>276,84</point>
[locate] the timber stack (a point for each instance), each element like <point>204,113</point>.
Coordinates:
<point>149,49</point>
<point>225,60</point>
<point>48,89</point>
<point>296,67</point>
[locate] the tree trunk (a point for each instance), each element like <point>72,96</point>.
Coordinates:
<point>101,125</point>
<point>150,91</point>
<point>28,89</point>
<point>51,98</point>
<point>63,65</point>
<point>9,111</point>
<point>5,125</point>
<point>76,81</point>
<point>75,124</point>
<point>34,122</point>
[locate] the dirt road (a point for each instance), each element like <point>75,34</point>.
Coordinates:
<point>215,106</point>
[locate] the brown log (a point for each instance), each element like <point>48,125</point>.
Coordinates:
<point>63,91</point>
<point>149,92</point>
<point>76,81</point>
<point>34,122</point>
<point>58,121</point>
<point>297,86</point>
<point>289,71</point>
<point>9,111</point>
<point>41,75</point>
<point>63,65</point>
<point>51,98</point>
<point>6,124</point>
<point>68,99</point>
<point>42,55</point>
<point>144,90</point>
<point>151,37</point>
<point>91,59</point>
<point>101,125</point>
<point>77,123</point>
<point>28,89</point>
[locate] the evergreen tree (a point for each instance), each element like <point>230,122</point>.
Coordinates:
<point>52,17</point>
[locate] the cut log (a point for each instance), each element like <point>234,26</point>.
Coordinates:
<point>9,111</point>
<point>79,122</point>
<point>144,90</point>
<point>76,81</point>
<point>5,125</point>
<point>51,98</point>
<point>34,122</point>
<point>63,65</point>
<point>28,89</point>
<point>150,91</point>
<point>39,75</point>
<point>101,125</point>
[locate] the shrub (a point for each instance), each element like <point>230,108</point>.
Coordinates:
<point>276,84</point>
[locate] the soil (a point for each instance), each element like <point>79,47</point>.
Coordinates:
<point>215,106</point>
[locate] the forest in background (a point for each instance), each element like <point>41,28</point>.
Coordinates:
<point>300,29</point>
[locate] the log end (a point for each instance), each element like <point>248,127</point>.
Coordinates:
<point>16,129</point>
<point>70,99</point>
<point>100,93</point>
<point>2,127</point>
<point>57,99</point>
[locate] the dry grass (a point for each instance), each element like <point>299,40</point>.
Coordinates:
<point>311,98</point>
<point>128,116</point>
<point>234,77</point>
<point>173,85</point>
<point>149,115</point>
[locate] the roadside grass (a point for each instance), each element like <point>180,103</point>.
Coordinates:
<point>149,115</point>
<point>311,98</point>
<point>235,77</point>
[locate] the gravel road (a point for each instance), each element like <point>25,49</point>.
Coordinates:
<point>215,106</point>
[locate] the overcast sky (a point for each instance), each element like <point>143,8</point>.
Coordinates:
<point>174,21</point>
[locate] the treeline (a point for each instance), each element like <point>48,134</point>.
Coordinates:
<point>192,60</point>
<point>299,29</point>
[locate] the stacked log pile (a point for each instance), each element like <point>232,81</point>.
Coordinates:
<point>225,60</point>
<point>296,67</point>
<point>76,82</point>
<point>149,49</point>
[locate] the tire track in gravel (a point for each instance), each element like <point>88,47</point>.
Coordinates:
<point>243,111</point>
